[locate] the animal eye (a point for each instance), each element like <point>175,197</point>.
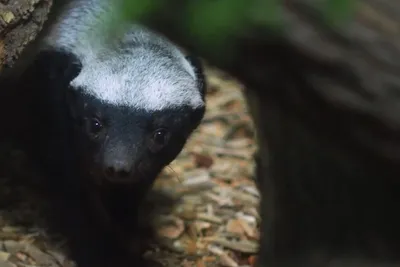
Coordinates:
<point>94,126</point>
<point>159,139</point>
<point>160,136</point>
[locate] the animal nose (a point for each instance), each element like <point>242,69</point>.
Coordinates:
<point>118,169</point>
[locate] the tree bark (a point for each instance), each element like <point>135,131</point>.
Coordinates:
<point>20,21</point>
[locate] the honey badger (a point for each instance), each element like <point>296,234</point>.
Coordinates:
<point>111,112</point>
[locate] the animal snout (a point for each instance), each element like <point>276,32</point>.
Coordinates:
<point>118,169</point>
<point>119,159</point>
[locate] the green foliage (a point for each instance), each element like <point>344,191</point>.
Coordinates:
<point>137,9</point>
<point>267,12</point>
<point>126,10</point>
<point>212,22</point>
<point>337,12</point>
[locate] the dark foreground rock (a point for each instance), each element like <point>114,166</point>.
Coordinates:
<point>326,104</point>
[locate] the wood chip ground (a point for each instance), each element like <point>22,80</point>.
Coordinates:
<point>213,221</point>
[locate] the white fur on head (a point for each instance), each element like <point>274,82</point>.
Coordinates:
<point>141,69</point>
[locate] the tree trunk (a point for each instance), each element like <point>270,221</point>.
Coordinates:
<point>327,107</point>
<point>20,21</point>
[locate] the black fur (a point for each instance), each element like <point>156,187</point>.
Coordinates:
<point>199,70</point>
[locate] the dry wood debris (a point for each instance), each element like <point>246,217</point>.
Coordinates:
<point>214,219</point>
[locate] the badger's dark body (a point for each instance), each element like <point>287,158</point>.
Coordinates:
<point>109,113</point>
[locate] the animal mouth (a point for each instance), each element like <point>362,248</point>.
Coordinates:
<point>130,179</point>
<point>99,177</point>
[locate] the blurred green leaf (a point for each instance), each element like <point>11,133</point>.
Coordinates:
<point>126,10</point>
<point>267,12</point>
<point>212,22</point>
<point>337,12</point>
<point>138,9</point>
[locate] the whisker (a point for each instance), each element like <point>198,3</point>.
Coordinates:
<point>176,174</point>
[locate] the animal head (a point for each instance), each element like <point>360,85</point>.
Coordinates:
<point>132,113</point>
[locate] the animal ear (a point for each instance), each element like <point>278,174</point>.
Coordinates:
<point>48,77</point>
<point>197,65</point>
<point>56,66</point>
